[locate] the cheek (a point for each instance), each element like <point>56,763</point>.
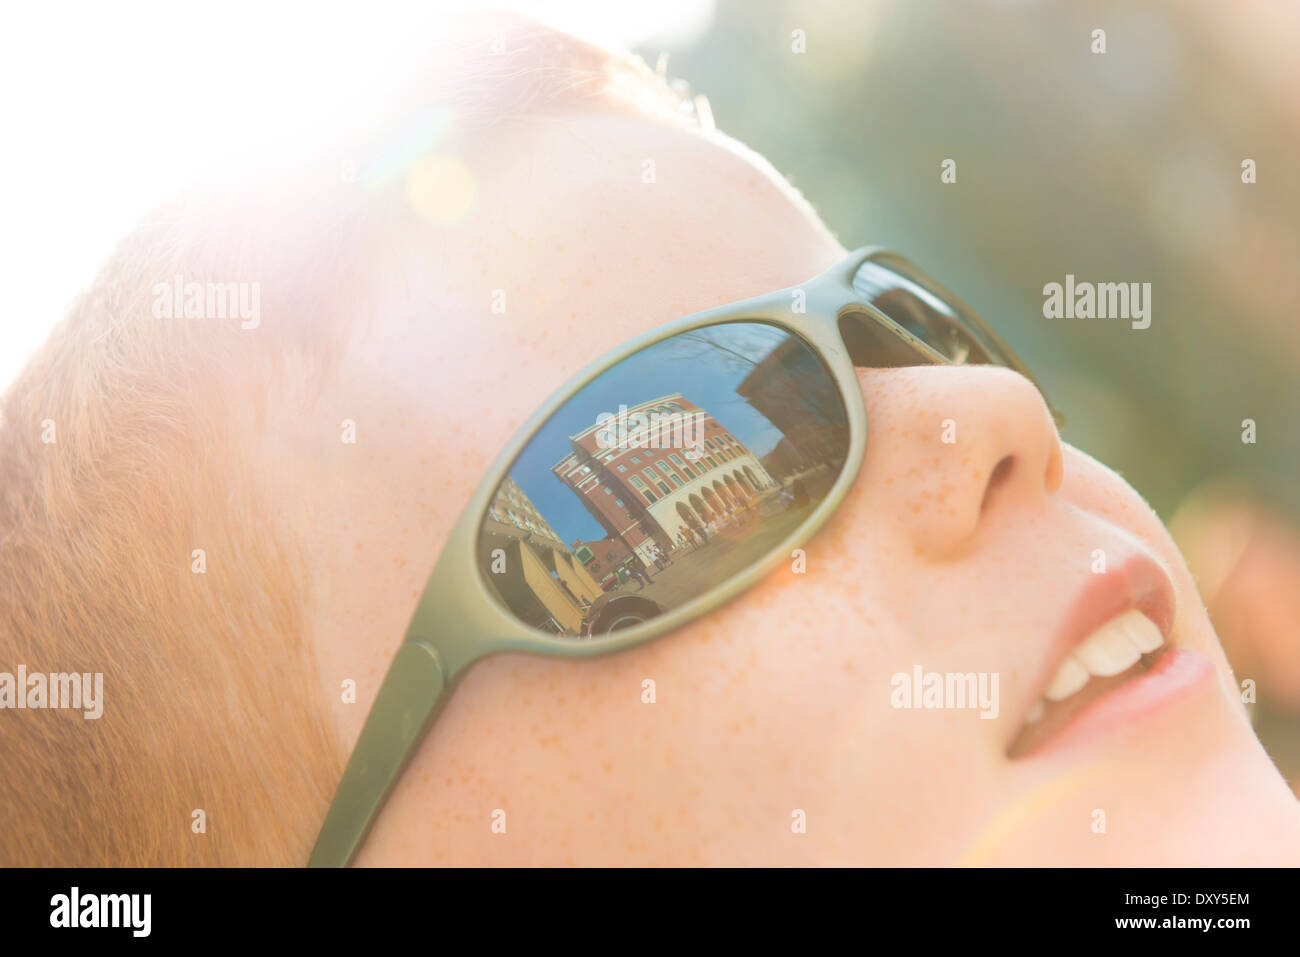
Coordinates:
<point>1098,490</point>
<point>1094,487</point>
<point>788,690</point>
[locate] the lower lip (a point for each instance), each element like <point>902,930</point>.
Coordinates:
<point>1176,676</point>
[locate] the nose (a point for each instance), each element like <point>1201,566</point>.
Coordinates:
<point>948,447</point>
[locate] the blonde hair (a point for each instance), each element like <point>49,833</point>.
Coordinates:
<point>129,442</point>
<point>123,450</point>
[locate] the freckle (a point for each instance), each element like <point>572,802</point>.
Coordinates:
<point>848,667</point>
<point>607,766</point>
<point>357,546</point>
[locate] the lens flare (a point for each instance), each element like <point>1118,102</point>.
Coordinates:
<point>441,188</point>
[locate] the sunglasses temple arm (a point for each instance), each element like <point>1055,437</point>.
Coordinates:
<point>411,696</point>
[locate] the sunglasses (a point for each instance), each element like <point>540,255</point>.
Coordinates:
<point>660,482</point>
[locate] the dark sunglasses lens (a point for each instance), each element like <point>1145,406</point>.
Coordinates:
<point>663,478</point>
<point>905,298</point>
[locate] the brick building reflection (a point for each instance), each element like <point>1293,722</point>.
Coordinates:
<point>645,496</point>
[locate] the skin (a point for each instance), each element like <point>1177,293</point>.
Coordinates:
<point>780,700</point>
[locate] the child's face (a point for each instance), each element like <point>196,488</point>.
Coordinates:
<point>780,701</point>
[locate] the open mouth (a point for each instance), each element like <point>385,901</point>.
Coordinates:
<point>1119,651</point>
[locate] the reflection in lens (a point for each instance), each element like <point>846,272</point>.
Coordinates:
<point>919,311</point>
<point>664,477</point>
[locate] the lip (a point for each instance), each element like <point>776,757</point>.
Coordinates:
<point>1139,583</point>
<point>1175,676</point>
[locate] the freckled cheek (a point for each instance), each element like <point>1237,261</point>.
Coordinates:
<point>832,595</point>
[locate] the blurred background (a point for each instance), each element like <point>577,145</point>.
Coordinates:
<point>1117,167</point>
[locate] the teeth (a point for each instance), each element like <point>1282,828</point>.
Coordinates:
<point>1142,630</point>
<point>1068,680</point>
<point>1108,650</point>
<point>1113,648</point>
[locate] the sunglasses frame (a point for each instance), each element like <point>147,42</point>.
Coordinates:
<point>458,621</point>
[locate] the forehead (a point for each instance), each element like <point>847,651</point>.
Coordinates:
<point>583,232</point>
<point>640,221</point>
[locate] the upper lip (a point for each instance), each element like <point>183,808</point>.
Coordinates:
<point>1140,582</point>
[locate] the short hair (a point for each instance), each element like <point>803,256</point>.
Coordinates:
<point>124,450</point>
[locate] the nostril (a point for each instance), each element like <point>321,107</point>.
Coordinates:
<point>1001,472</point>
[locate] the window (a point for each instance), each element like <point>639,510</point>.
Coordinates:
<point>650,496</point>
<point>663,487</point>
<point>619,503</point>
<point>709,443</point>
<point>635,460</point>
<point>637,483</point>
<point>622,468</point>
<point>663,467</point>
<point>677,483</point>
<point>650,474</point>
<point>608,490</point>
<point>713,463</point>
<point>677,461</point>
